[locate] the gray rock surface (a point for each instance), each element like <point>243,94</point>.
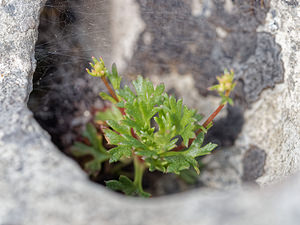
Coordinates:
<point>273,122</point>
<point>39,185</point>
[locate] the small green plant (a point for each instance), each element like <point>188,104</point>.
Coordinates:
<point>144,126</point>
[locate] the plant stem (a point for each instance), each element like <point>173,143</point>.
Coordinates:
<point>205,124</point>
<point>122,110</point>
<point>139,168</point>
<point>112,93</point>
<point>110,90</point>
<point>210,118</point>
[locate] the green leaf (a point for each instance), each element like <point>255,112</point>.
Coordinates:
<point>189,176</point>
<point>142,87</point>
<point>207,149</point>
<point>79,149</point>
<point>124,140</point>
<point>132,124</point>
<point>112,137</point>
<point>198,117</point>
<point>196,150</point>
<point>147,153</point>
<point>107,97</point>
<point>112,113</point>
<point>159,90</point>
<point>90,133</point>
<point>118,127</point>
<point>93,167</point>
<point>125,185</point>
<point>155,164</point>
<point>187,134</point>
<point>171,144</point>
<point>144,194</point>
<point>195,146</point>
<point>96,150</point>
<point>126,94</point>
<point>230,101</point>
<point>176,119</point>
<point>114,78</point>
<point>118,152</point>
<point>130,141</point>
<point>178,162</point>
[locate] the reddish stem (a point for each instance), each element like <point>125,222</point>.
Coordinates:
<point>210,118</point>
<point>122,110</point>
<point>110,90</point>
<point>136,137</point>
<point>112,93</point>
<point>205,124</point>
<point>133,134</point>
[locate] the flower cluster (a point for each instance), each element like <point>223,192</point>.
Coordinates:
<point>98,68</point>
<point>225,86</point>
<point>226,83</point>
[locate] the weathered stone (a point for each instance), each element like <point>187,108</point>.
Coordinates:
<point>253,164</point>
<point>273,122</point>
<point>204,45</point>
<point>222,169</point>
<point>263,69</point>
<point>39,185</point>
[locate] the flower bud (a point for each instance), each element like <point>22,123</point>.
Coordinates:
<point>99,68</point>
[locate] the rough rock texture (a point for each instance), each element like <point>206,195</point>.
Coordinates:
<point>273,122</point>
<point>203,44</point>
<point>253,164</point>
<point>38,185</point>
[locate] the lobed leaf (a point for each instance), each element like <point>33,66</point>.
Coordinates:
<point>96,150</point>
<point>196,150</point>
<point>112,113</point>
<point>118,152</point>
<point>118,127</point>
<point>125,185</point>
<point>114,78</point>
<point>107,97</point>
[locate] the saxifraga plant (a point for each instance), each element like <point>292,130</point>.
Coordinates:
<point>128,126</point>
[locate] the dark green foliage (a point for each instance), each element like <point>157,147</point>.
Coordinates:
<point>177,161</point>
<point>125,185</point>
<point>112,113</point>
<point>189,176</point>
<point>129,129</point>
<point>114,78</point>
<point>154,146</point>
<point>95,149</point>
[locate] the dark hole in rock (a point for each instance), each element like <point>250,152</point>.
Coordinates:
<point>176,39</point>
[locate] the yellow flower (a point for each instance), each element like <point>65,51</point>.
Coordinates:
<point>226,81</point>
<point>98,68</point>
